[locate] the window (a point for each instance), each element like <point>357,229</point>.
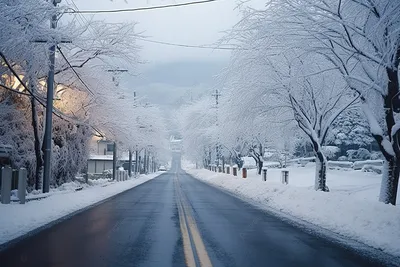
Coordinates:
<point>110,147</point>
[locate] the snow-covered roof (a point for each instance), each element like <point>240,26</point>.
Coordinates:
<point>123,157</point>
<point>101,157</point>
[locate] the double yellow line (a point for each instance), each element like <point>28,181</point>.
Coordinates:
<point>193,245</point>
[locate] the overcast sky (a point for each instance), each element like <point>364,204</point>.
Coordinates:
<point>194,25</point>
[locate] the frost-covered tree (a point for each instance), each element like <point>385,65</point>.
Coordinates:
<point>361,40</point>
<point>199,131</point>
<point>287,85</point>
<point>25,38</point>
<point>350,131</point>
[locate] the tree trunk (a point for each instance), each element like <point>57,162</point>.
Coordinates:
<point>390,182</point>
<point>38,151</point>
<point>320,167</point>
<point>320,172</point>
<point>260,164</point>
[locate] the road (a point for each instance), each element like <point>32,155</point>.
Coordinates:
<point>176,220</point>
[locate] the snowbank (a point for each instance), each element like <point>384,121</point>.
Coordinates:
<point>17,220</point>
<point>350,209</point>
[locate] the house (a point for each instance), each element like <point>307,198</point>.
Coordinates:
<point>105,147</point>
<point>100,163</point>
<point>101,158</point>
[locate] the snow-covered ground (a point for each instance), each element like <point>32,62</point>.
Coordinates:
<point>17,220</point>
<point>351,209</point>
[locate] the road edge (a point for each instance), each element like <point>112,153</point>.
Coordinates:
<point>314,229</point>
<point>4,246</point>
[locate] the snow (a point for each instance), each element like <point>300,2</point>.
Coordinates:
<point>388,146</point>
<point>350,209</point>
<point>101,157</point>
<point>395,128</point>
<point>17,220</point>
<point>375,128</point>
<point>249,163</point>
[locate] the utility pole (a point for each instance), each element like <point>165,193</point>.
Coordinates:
<point>114,161</point>
<point>49,110</point>
<point>130,163</point>
<point>217,147</point>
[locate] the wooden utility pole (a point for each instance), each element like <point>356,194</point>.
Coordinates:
<point>217,94</point>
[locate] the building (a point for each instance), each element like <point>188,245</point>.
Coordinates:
<point>175,145</point>
<point>100,163</point>
<point>101,158</point>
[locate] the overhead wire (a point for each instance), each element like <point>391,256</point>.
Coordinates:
<point>75,72</point>
<point>140,8</point>
<point>187,45</point>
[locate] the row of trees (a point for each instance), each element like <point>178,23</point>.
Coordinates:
<point>87,102</point>
<point>301,66</point>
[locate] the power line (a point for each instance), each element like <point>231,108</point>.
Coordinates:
<point>186,45</point>
<point>73,69</point>
<point>139,8</point>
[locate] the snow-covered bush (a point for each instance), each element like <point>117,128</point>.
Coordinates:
<point>363,154</point>
<point>342,158</point>
<point>376,155</point>
<point>331,152</point>
<point>372,168</point>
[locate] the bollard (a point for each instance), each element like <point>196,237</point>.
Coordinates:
<point>228,170</point>
<point>285,177</point>
<point>219,169</point>
<point>244,173</point>
<point>234,171</point>
<point>22,175</point>
<point>264,175</point>
<point>223,169</point>
<point>215,169</point>
<point>6,175</point>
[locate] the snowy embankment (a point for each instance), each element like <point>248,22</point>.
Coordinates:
<point>17,220</point>
<point>351,209</point>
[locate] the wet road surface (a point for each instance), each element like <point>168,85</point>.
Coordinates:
<point>176,220</point>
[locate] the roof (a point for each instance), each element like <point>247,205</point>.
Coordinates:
<point>123,157</point>
<point>101,157</point>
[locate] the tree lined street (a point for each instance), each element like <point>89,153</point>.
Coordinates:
<point>176,220</point>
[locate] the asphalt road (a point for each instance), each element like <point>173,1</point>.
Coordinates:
<point>176,220</point>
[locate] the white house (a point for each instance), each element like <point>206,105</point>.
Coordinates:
<point>100,163</point>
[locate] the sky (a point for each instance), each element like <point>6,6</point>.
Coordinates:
<point>194,25</point>
<point>173,73</point>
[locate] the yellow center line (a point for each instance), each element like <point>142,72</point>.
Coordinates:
<point>189,229</point>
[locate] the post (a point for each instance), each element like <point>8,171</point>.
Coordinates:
<point>285,177</point>
<point>114,161</point>
<point>265,174</point>
<point>136,162</point>
<point>22,175</point>
<point>140,165</point>
<point>144,162</point>
<point>228,170</point>
<point>234,171</point>
<point>6,174</point>
<point>130,164</point>
<point>49,111</point>
<point>244,172</point>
